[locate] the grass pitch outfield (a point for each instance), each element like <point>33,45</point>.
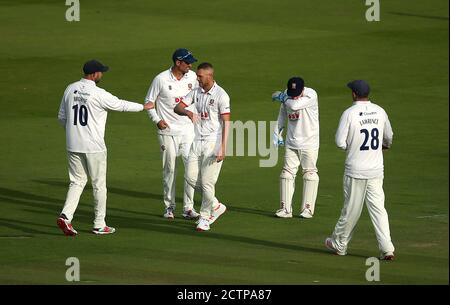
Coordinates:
<point>256,46</point>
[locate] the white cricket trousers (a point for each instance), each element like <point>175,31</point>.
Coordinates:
<point>307,159</point>
<point>82,166</point>
<point>356,192</point>
<point>171,148</point>
<point>203,170</point>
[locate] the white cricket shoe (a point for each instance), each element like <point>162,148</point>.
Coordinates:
<point>329,245</point>
<point>282,213</point>
<point>103,231</point>
<point>169,213</point>
<point>219,210</point>
<point>191,214</point>
<point>203,225</point>
<point>306,213</point>
<point>66,226</point>
<point>387,256</point>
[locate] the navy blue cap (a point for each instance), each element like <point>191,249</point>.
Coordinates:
<point>184,55</point>
<point>295,86</point>
<point>360,87</point>
<point>93,66</point>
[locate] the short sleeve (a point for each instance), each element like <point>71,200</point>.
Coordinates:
<point>154,90</point>
<point>224,104</point>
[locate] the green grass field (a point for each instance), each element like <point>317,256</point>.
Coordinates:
<point>255,46</point>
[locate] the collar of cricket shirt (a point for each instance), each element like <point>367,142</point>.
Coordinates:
<point>210,91</point>
<point>88,82</point>
<point>361,102</point>
<point>173,76</point>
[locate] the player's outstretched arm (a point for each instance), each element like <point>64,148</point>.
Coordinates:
<point>111,102</point>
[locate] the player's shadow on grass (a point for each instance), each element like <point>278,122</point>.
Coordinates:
<point>53,205</point>
<point>24,226</point>
<point>141,221</point>
<point>419,16</point>
<point>251,211</point>
<point>39,204</point>
<point>145,195</point>
<point>111,189</point>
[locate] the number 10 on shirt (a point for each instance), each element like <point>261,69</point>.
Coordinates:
<point>81,113</point>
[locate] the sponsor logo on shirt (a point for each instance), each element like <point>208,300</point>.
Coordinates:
<point>190,86</point>
<point>211,102</point>
<point>367,113</point>
<point>170,87</point>
<point>294,116</point>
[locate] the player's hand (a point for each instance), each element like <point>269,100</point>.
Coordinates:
<point>149,105</point>
<point>278,142</point>
<point>193,116</point>
<point>279,96</point>
<point>162,125</point>
<point>277,138</point>
<point>221,155</point>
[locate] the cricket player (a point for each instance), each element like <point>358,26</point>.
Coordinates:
<point>300,106</point>
<point>364,130</point>
<point>83,112</point>
<point>175,133</point>
<point>211,118</point>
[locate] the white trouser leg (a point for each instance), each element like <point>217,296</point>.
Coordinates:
<point>308,160</point>
<point>192,167</point>
<point>78,175</point>
<point>378,214</point>
<point>354,194</point>
<point>96,163</point>
<point>210,170</point>
<point>287,179</point>
<point>184,149</point>
<point>169,158</point>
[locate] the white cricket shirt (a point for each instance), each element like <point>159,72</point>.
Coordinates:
<point>303,120</point>
<point>363,129</point>
<point>209,106</point>
<point>83,112</point>
<point>166,91</point>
